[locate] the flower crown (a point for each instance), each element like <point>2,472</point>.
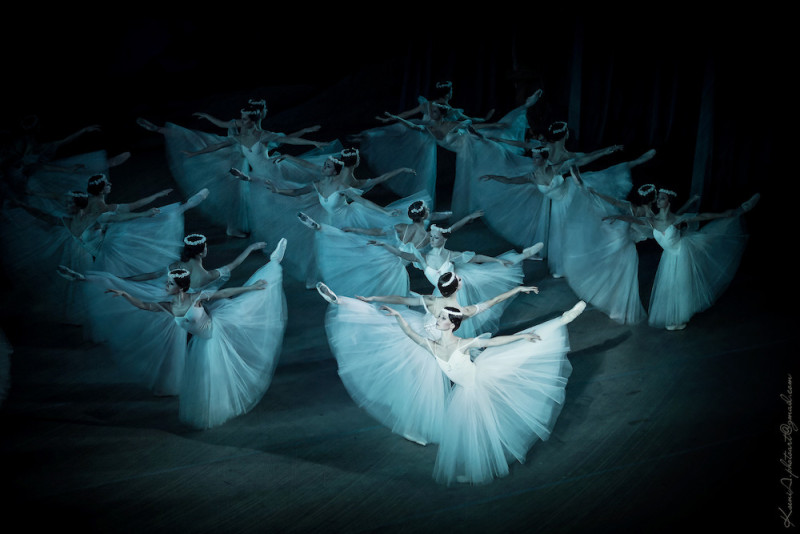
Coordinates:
<point>350,152</point>
<point>420,209</point>
<point>78,194</point>
<point>442,85</point>
<point>336,160</point>
<point>194,239</point>
<point>98,178</point>
<point>558,127</point>
<point>454,312</point>
<point>448,279</point>
<point>178,273</point>
<point>646,189</point>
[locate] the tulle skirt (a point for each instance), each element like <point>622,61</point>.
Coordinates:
<point>32,250</point>
<point>691,276</point>
<point>148,348</point>
<point>228,200</point>
<point>228,373</point>
<point>143,245</point>
<point>601,263</point>
<point>392,378</point>
<point>516,399</point>
<point>390,147</point>
<point>75,176</point>
<point>350,266</point>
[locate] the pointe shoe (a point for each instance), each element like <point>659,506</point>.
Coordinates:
<point>65,272</point>
<point>119,159</point>
<point>235,233</point>
<point>570,315</point>
<point>147,125</point>
<point>750,203</point>
<point>418,441</point>
<point>462,479</point>
<point>197,198</point>
<point>534,249</point>
<point>673,327</point>
<point>326,293</point>
<point>308,221</point>
<point>239,174</point>
<point>280,250</point>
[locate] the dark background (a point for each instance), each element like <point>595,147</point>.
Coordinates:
<point>643,78</point>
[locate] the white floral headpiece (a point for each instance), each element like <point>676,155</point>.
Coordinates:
<point>558,127</point>
<point>668,192</point>
<point>448,279</point>
<point>443,231</point>
<point>421,209</point>
<point>646,189</point>
<point>336,160</point>
<point>178,273</point>
<point>352,152</point>
<point>78,194</point>
<point>194,239</point>
<point>442,85</point>
<point>98,178</point>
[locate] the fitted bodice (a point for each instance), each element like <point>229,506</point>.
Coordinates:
<point>196,321</point>
<point>333,203</point>
<point>436,264</point>
<point>669,239</point>
<point>459,367</point>
<point>556,189</point>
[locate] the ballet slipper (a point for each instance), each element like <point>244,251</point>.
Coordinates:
<point>235,233</point>
<point>570,315</point>
<point>147,125</point>
<point>308,221</point>
<point>750,203</point>
<point>418,441</point>
<point>326,293</point>
<point>196,199</point>
<point>119,159</point>
<point>65,272</point>
<point>239,174</point>
<point>673,327</point>
<point>280,250</point>
<point>528,253</point>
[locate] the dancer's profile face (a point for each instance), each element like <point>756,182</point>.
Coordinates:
<point>172,287</point>
<point>437,239</point>
<point>443,321</point>
<point>537,158</point>
<point>662,201</point>
<point>328,168</point>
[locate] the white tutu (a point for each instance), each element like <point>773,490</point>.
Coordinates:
<point>601,263</point>
<point>228,201</point>
<point>233,352</point>
<point>694,270</point>
<point>501,404</point>
<point>392,378</point>
<point>349,265</point>
<point>390,147</point>
<point>75,176</point>
<point>32,250</point>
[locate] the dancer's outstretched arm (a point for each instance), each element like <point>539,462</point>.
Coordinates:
<point>474,309</point>
<point>404,326</point>
<point>142,305</point>
<point>394,250</point>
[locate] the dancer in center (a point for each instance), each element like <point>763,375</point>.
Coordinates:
<point>500,403</point>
